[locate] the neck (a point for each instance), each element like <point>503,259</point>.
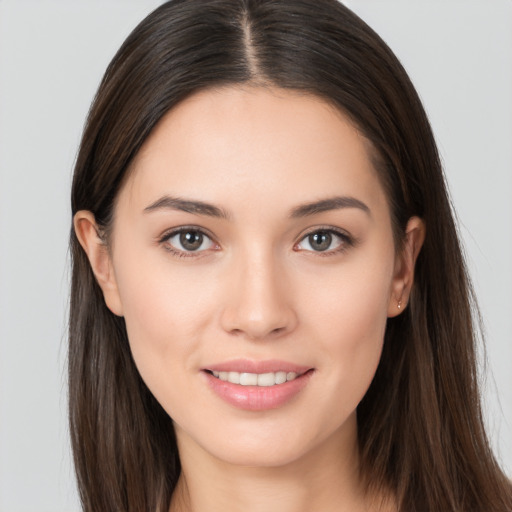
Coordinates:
<point>326,479</point>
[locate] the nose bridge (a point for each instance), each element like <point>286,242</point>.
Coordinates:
<point>259,304</point>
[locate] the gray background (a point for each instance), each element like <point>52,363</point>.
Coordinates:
<point>52,55</point>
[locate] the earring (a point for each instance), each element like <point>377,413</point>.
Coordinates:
<point>399,305</point>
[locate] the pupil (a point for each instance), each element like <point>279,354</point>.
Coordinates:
<point>191,240</point>
<point>321,240</point>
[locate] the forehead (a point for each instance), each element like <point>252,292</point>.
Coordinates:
<point>258,144</point>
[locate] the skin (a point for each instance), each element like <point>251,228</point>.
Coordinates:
<point>257,289</point>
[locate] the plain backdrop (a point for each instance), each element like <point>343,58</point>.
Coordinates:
<point>52,56</point>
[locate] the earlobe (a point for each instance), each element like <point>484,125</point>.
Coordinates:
<point>404,268</point>
<point>99,257</point>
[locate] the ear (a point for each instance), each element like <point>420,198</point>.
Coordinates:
<point>99,257</point>
<point>404,266</point>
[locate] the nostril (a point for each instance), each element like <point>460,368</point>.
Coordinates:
<point>257,316</point>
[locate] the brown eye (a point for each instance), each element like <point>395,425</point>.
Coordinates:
<point>189,240</point>
<point>324,240</point>
<point>320,241</point>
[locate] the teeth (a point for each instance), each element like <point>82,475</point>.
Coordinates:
<point>281,377</point>
<point>248,379</point>
<point>266,379</point>
<point>234,377</point>
<point>256,379</point>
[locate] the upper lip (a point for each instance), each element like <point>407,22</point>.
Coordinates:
<point>251,366</point>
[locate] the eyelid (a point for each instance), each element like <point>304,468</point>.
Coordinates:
<point>170,233</point>
<point>347,240</point>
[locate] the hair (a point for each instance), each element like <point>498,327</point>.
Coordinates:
<point>420,427</point>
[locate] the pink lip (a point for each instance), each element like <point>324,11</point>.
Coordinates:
<point>257,398</point>
<point>250,366</point>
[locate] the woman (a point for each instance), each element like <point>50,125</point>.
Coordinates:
<point>269,306</point>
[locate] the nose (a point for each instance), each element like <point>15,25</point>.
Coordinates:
<point>259,299</point>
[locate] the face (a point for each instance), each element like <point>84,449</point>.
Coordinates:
<point>252,242</point>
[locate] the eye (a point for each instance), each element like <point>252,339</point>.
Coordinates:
<point>187,240</point>
<point>324,240</point>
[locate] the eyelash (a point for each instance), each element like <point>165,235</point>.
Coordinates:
<point>346,241</point>
<point>164,240</point>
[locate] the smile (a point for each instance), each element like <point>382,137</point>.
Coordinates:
<point>256,379</point>
<point>257,386</point>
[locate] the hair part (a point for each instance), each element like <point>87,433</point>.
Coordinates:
<point>420,427</point>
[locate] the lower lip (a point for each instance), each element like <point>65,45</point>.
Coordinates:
<point>258,398</point>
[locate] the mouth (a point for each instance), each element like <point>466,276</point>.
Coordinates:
<point>257,386</point>
<point>268,379</point>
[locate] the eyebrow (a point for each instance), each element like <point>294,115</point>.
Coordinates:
<point>331,203</point>
<point>187,205</point>
<point>210,210</point>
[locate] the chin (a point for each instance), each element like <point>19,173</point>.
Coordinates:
<point>270,456</point>
<point>268,443</point>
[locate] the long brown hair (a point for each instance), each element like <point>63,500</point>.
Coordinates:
<point>420,424</point>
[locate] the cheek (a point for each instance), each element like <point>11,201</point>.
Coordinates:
<point>164,316</point>
<point>352,301</point>
<point>349,321</point>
